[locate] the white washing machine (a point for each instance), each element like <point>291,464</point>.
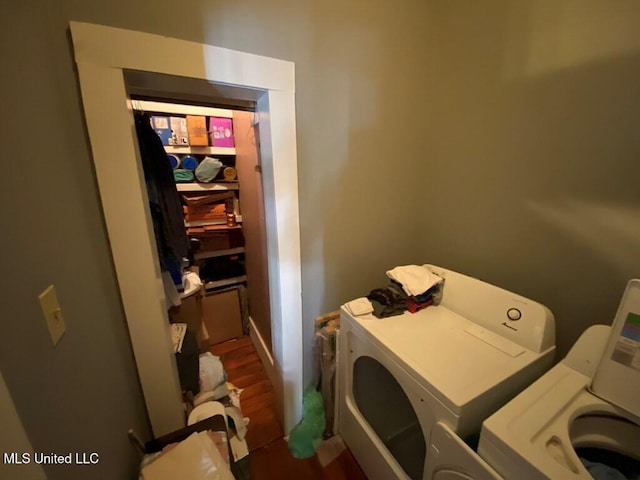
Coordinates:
<point>452,364</point>
<point>576,412</point>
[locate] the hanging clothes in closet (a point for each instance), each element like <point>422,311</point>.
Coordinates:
<point>164,201</point>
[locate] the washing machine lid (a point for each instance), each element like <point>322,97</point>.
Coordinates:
<point>454,358</point>
<point>617,378</point>
<point>524,438</point>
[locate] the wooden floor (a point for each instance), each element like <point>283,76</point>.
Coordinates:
<point>245,371</point>
<point>270,457</point>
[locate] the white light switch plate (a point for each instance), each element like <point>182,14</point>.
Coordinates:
<point>52,313</point>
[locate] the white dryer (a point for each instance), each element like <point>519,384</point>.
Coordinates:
<point>455,364</point>
<point>577,419</point>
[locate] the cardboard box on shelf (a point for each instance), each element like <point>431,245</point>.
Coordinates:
<point>190,312</point>
<point>197,128</point>
<point>222,315</point>
<point>218,241</point>
<point>194,199</point>
<point>221,240</point>
<point>162,128</point>
<point>205,212</point>
<point>179,132</point>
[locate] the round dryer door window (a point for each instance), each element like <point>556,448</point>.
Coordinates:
<point>383,403</point>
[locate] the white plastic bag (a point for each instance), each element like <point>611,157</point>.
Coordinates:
<point>212,372</point>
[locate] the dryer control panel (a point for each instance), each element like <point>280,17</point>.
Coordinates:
<point>507,314</point>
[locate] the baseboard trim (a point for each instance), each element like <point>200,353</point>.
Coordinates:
<point>269,366</point>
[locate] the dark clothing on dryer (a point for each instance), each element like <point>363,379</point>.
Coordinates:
<point>387,302</point>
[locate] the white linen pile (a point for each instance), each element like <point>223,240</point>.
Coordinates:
<point>415,279</point>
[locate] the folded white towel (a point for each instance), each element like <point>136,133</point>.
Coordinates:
<point>414,278</point>
<point>191,282</point>
<point>359,306</point>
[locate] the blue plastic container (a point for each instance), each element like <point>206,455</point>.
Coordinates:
<point>189,162</point>
<point>174,161</point>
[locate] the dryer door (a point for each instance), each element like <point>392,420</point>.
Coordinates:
<point>387,409</point>
<point>449,458</point>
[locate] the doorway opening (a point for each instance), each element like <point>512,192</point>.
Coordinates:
<point>103,56</point>
<point>231,260</point>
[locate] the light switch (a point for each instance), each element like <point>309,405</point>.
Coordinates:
<point>52,313</point>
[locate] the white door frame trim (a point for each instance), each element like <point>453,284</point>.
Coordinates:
<point>102,54</point>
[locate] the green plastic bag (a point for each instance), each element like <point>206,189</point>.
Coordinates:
<point>307,435</point>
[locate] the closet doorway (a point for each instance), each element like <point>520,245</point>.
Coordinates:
<point>107,58</point>
<point>166,95</point>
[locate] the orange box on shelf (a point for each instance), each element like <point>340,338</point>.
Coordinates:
<point>197,129</point>
<point>205,212</point>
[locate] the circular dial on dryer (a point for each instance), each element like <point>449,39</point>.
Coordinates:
<point>514,314</point>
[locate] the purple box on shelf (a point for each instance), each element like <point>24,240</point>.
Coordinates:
<point>221,132</point>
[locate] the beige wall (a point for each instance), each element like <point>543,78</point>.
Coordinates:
<point>495,139</point>
<point>360,69</point>
<point>535,151</point>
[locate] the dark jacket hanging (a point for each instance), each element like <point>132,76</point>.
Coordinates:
<point>164,201</point>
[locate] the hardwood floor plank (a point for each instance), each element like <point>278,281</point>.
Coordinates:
<point>261,386</point>
<point>230,345</point>
<point>246,378</point>
<point>263,428</point>
<point>270,458</point>
<point>253,404</point>
<point>275,462</point>
<point>344,467</point>
<point>236,368</point>
<point>239,353</point>
<point>232,363</point>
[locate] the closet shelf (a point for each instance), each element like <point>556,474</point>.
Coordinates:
<point>210,229</point>
<point>192,149</point>
<point>218,253</point>
<point>209,223</point>
<point>175,108</point>
<point>206,187</point>
<point>225,282</point>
